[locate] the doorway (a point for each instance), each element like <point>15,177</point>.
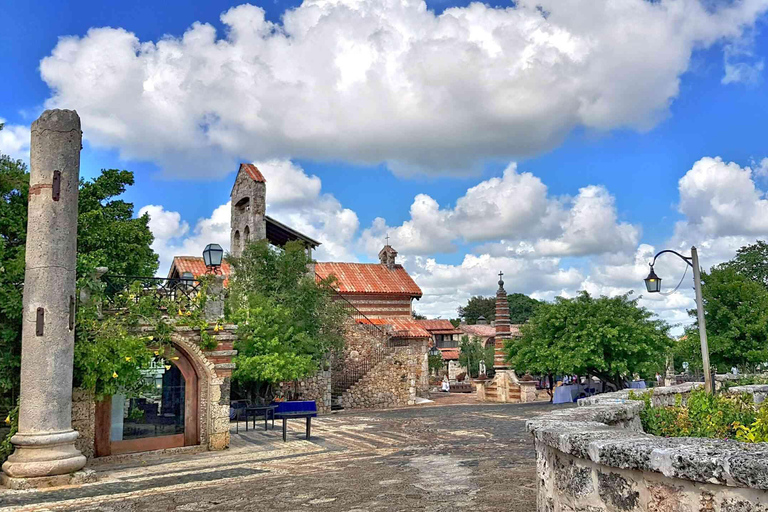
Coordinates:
<point>163,414</point>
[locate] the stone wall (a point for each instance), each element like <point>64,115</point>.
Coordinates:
<point>84,420</point>
<point>454,369</point>
<point>396,381</point>
<point>596,458</point>
<point>317,388</point>
<point>214,370</point>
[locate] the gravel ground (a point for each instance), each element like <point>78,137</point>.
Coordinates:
<point>428,458</point>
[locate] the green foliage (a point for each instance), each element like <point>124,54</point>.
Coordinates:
<point>417,316</point>
<point>477,307</point>
<point>471,352</point>
<point>521,308</point>
<point>751,261</point>
<point>108,235</point>
<point>736,311</point>
<point>110,352</point>
<point>287,322</point>
<point>704,415</point>
<point>14,187</point>
<point>6,447</point>
<point>757,431</point>
<point>608,337</point>
<point>435,363</point>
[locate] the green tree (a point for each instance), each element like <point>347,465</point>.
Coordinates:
<point>287,322</point>
<point>521,307</point>
<point>736,312</point>
<point>471,352</point>
<point>476,307</point>
<point>608,337</point>
<point>751,261</point>
<point>108,235</point>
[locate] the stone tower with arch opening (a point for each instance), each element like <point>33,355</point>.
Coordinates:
<point>248,208</point>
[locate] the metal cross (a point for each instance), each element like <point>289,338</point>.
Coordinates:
<point>387,238</point>
<point>501,274</point>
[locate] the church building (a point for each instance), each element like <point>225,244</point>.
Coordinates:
<point>377,290</point>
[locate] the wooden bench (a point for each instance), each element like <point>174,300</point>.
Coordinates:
<point>294,410</point>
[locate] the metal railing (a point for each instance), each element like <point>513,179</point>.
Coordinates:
<point>158,287</point>
<point>347,373</point>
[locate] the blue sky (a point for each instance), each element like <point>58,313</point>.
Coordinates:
<point>598,107</point>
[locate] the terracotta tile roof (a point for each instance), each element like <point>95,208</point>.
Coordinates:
<point>439,326</point>
<point>369,278</point>
<point>450,353</point>
<point>253,172</point>
<point>487,331</point>
<point>194,264</point>
<point>483,331</point>
<point>400,326</point>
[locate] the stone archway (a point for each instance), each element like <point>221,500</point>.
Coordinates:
<point>187,373</point>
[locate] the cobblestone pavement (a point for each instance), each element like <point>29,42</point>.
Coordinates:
<point>428,458</point>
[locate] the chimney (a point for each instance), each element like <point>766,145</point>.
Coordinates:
<point>387,256</point>
<point>481,320</point>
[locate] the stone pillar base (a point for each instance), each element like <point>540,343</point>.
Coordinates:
<point>84,476</point>
<point>44,455</point>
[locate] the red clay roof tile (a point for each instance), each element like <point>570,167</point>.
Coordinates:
<point>369,278</point>
<point>253,172</point>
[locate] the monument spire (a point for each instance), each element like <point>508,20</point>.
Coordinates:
<point>503,331</point>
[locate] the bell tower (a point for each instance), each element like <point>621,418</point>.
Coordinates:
<point>249,202</point>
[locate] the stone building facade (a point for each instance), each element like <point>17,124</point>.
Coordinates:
<point>210,404</point>
<point>249,205</point>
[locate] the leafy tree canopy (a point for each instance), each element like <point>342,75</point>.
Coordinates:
<point>608,337</point>
<point>476,307</point>
<point>521,308</point>
<point>287,322</point>
<point>471,352</point>
<point>108,235</point>
<point>751,261</point>
<point>736,312</point>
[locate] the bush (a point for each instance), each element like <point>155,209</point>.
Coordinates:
<point>6,447</point>
<point>705,415</point>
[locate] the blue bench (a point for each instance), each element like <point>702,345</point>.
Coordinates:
<point>293,410</point>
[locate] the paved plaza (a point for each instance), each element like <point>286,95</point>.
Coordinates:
<point>430,458</point>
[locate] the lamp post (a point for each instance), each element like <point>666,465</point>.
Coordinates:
<point>212,256</point>
<point>653,285</point>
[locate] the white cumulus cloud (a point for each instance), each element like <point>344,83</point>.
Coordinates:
<point>14,141</point>
<point>385,80</point>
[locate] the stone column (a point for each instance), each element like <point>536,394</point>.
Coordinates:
<point>45,441</point>
<point>214,304</point>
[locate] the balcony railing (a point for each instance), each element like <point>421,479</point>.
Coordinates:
<point>161,288</point>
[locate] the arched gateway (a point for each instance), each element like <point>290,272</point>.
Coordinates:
<point>170,411</point>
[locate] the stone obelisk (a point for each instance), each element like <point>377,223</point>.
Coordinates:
<point>503,330</point>
<point>45,441</point>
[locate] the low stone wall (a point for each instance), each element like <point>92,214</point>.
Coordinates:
<point>317,388</point>
<point>596,458</point>
<point>84,420</point>
<point>394,382</point>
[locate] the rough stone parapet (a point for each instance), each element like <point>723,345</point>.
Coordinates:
<point>596,458</point>
<point>316,387</point>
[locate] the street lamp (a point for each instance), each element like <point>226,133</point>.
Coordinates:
<point>434,351</point>
<point>212,256</point>
<point>653,285</point>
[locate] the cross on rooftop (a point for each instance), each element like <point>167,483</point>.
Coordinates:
<point>501,274</point>
<point>387,238</point>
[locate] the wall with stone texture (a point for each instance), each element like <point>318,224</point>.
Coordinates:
<point>394,382</point>
<point>214,370</point>
<point>84,420</point>
<point>317,388</point>
<point>596,458</point>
